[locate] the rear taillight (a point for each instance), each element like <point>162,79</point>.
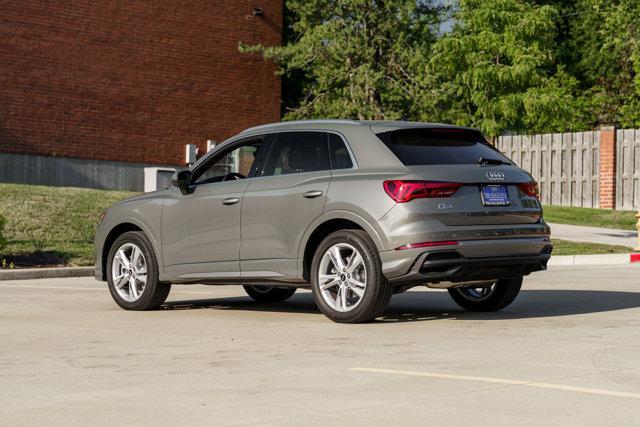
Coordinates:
<point>404,191</point>
<point>530,189</point>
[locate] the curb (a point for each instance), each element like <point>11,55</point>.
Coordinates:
<point>46,273</point>
<point>564,260</point>
<point>605,259</point>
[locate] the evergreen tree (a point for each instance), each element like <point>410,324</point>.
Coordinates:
<point>354,58</point>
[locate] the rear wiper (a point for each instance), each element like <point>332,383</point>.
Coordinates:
<point>483,161</point>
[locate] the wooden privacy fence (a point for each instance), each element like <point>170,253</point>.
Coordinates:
<point>628,169</point>
<point>566,165</point>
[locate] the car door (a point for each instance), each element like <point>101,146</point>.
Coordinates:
<point>201,230</point>
<point>280,203</point>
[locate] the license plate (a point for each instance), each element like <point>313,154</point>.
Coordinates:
<point>494,195</point>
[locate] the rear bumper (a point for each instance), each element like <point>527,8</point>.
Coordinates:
<point>468,261</point>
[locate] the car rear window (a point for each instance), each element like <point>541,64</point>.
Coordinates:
<point>440,146</point>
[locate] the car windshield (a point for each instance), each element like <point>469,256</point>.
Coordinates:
<point>441,147</point>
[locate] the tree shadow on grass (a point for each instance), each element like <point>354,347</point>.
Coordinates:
<point>37,259</point>
<point>423,306</point>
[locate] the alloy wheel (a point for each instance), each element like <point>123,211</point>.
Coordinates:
<point>477,293</point>
<point>261,288</point>
<point>129,272</point>
<point>342,277</point>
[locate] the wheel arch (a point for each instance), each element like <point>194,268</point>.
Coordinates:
<point>129,224</point>
<point>325,225</point>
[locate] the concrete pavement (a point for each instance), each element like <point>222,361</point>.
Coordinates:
<point>607,236</point>
<point>567,352</point>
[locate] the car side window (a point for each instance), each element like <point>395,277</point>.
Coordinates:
<point>238,163</point>
<point>297,152</point>
<point>340,158</point>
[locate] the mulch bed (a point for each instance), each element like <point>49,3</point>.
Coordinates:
<point>33,260</point>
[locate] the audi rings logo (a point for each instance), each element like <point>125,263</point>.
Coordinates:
<point>495,176</point>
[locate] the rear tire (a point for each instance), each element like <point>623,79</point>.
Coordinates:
<point>501,295</point>
<point>346,278</point>
<point>132,273</point>
<point>269,294</point>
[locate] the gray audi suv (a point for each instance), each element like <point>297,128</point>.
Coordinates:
<point>354,210</point>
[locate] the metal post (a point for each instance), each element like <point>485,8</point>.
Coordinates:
<point>191,153</point>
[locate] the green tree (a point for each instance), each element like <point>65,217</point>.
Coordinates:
<point>595,42</point>
<point>498,71</point>
<point>621,47</point>
<point>506,65</point>
<point>354,58</point>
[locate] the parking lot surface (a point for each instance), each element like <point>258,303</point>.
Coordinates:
<point>566,352</point>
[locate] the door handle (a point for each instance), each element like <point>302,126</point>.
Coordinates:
<point>230,201</point>
<point>312,194</point>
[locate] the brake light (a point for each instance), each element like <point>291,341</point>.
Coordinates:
<point>530,189</point>
<point>404,191</point>
<point>427,245</point>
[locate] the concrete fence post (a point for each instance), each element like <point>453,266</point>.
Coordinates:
<point>607,169</point>
<point>637,248</point>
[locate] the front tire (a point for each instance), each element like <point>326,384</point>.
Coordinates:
<point>346,278</point>
<point>269,294</point>
<point>132,273</point>
<point>493,298</point>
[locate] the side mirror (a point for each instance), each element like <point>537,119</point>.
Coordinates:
<point>181,180</point>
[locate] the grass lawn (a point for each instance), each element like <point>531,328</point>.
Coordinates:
<point>58,221</point>
<point>623,220</point>
<point>565,247</point>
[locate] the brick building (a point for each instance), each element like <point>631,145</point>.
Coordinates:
<point>91,91</point>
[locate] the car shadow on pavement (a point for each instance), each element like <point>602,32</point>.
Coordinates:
<point>529,304</point>
<point>423,306</point>
<point>301,303</point>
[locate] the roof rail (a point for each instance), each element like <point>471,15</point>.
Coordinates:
<point>297,122</point>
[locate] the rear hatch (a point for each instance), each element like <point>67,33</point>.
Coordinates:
<point>480,186</point>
